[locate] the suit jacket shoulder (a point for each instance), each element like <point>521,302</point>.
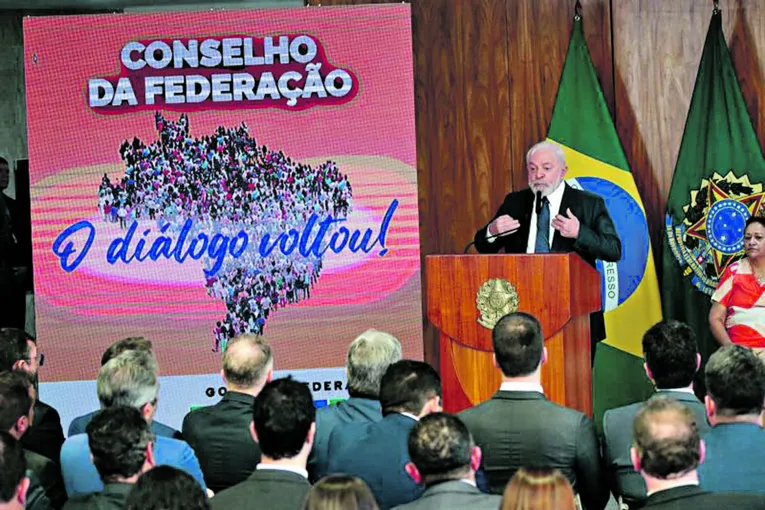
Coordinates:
<point>453,495</point>
<point>49,475</point>
<point>694,498</point>
<point>353,410</point>
<point>220,436</point>
<point>46,435</point>
<point>272,489</point>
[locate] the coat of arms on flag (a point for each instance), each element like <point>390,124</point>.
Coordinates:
<point>711,235</point>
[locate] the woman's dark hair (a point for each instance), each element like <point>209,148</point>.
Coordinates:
<point>166,488</point>
<point>340,492</point>
<point>755,219</point>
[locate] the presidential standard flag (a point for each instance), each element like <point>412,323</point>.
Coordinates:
<point>582,125</point>
<point>717,185</point>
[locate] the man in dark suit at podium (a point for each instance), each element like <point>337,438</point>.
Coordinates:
<point>552,217</point>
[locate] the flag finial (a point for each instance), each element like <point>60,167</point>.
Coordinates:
<point>715,9</point>
<point>577,11</point>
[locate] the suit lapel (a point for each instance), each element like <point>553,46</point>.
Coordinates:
<point>524,208</point>
<point>560,243</point>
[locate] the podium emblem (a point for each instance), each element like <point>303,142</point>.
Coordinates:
<point>496,298</point>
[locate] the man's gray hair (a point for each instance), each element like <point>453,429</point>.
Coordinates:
<point>545,145</point>
<point>128,380</point>
<point>369,356</point>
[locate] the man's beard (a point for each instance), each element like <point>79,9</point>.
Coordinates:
<point>545,188</point>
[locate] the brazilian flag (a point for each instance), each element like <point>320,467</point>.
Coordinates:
<point>582,125</point>
<point>717,185</point>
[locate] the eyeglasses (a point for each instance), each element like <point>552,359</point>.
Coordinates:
<point>40,359</point>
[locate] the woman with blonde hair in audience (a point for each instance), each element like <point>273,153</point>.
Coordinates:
<point>340,492</point>
<point>538,489</point>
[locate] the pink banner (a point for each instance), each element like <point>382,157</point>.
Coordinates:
<point>201,175</point>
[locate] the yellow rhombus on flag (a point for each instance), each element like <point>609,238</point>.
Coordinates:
<point>582,125</point>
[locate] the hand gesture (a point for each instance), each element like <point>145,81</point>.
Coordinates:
<point>567,225</point>
<point>504,225</point>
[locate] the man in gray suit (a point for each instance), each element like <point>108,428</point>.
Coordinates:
<point>444,460</point>
<point>668,452</point>
<point>519,427</point>
<point>671,362</point>
<point>369,356</point>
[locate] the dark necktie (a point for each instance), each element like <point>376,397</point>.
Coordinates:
<point>542,244</point>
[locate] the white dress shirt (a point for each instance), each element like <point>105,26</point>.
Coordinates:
<point>555,198</point>
<point>521,386</point>
<point>279,467</point>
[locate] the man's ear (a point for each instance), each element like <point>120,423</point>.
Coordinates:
<point>270,375</point>
<point>21,425</point>
<point>494,359</point>
<point>475,458</point>
<point>253,432</point>
<point>150,454</point>
<point>311,434</point>
<point>698,361</point>
<point>20,364</point>
<point>711,409</point>
<point>223,376</point>
<point>702,451</point>
<point>544,355</point>
<point>413,472</point>
<point>21,491</point>
<point>648,372</point>
<point>635,458</point>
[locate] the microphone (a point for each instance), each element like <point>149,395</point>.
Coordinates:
<point>471,243</point>
<point>538,205</point>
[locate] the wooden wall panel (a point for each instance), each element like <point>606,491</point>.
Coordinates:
<point>657,47</point>
<point>539,32</point>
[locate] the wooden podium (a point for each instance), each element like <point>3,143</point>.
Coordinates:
<point>561,290</point>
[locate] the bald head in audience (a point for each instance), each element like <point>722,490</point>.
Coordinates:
<point>248,364</point>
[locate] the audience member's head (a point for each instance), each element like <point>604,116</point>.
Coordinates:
<point>166,488</point>
<point>5,173</point>
<point>667,444</point>
<point>120,442</point>
<point>735,380</point>
<point>441,448</point>
<point>247,363</point>
<point>131,343</point>
<point>412,387</point>
<point>130,380</point>
<point>369,356</point>
<point>283,420</point>
<point>340,492</point>
<point>18,351</point>
<point>671,355</point>
<point>538,489</point>
<point>519,347</point>
<point>16,403</point>
<point>13,468</point>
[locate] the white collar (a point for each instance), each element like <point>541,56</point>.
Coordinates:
<point>686,484</point>
<point>410,415</point>
<point>679,390</point>
<point>556,197</point>
<point>280,467</point>
<point>521,386</point>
